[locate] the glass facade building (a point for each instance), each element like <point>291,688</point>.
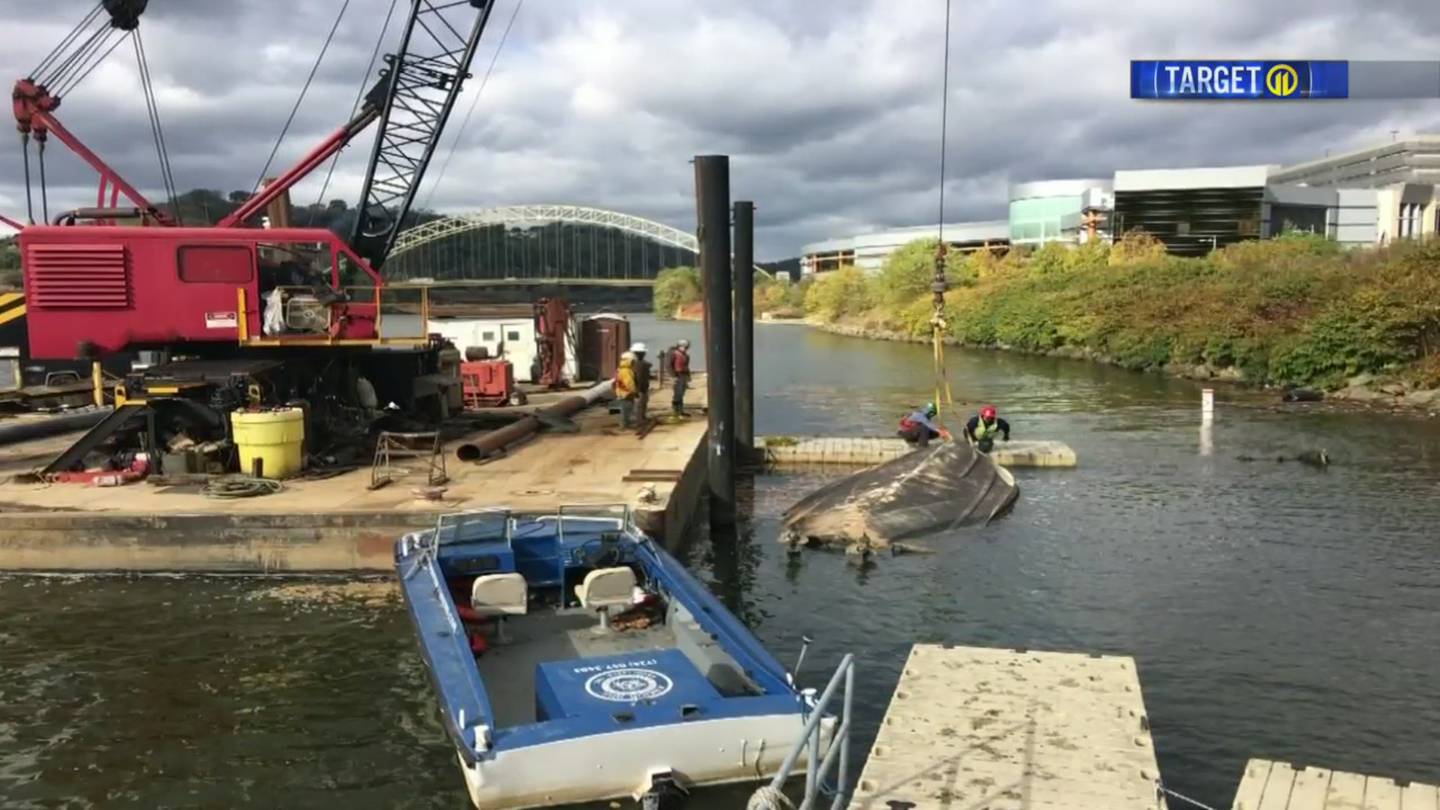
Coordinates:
<point>1054,210</point>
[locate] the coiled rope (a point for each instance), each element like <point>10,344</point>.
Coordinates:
<point>240,486</point>
<point>768,798</point>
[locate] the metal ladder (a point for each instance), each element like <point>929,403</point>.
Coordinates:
<point>809,741</point>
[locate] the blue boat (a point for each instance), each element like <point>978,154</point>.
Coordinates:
<point>575,660</point>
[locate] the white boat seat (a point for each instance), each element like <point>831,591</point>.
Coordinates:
<point>606,588</point>
<point>500,595</point>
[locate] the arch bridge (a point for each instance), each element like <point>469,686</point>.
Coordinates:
<point>540,244</point>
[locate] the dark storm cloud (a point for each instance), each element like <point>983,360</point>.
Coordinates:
<point>830,110</point>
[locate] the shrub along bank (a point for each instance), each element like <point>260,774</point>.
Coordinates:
<point>1292,311</point>
<point>677,293</point>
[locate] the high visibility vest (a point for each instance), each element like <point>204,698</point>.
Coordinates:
<point>984,431</point>
<point>625,383</point>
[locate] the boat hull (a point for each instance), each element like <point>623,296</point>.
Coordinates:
<point>947,486</point>
<point>561,709</point>
<point>620,765</point>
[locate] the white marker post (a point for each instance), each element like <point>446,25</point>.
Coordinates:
<point>1207,421</point>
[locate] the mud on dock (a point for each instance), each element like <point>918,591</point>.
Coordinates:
<point>338,524</point>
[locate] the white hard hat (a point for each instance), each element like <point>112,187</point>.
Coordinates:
<point>684,344</point>
<point>627,355</point>
<point>637,347</point>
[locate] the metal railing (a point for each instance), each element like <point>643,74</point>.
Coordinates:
<point>817,771</point>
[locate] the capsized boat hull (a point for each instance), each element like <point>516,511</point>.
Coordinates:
<point>946,486</point>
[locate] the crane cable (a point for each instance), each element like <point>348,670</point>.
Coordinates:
<point>939,284</point>
<point>74,34</point>
<point>484,80</point>
<point>62,75</point>
<point>301,98</point>
<point>162,151</point>
<point>359,96</point>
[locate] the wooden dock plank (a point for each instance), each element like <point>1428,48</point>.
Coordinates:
<point>1277,786</point>
<point>980,727</point>
<point>1347,792</point>
<point>1416,796</point>
<point>1252,785</point>
<point>1311,787</point>
<point>1381,793</point>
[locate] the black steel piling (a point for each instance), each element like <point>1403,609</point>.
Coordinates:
<point>712,205</point>
<point>745,330</point>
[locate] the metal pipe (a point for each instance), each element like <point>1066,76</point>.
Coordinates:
<point>497,440</point>
<point>22,430</point>
<point>712,204</point>
<point>745,329</point>
<point>813,721</point>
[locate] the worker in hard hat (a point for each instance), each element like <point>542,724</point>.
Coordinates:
<point>920,427</point>
<point>625,388</point>
<point>642,384</point>
<point>680,368</point>
<point>984,427</point>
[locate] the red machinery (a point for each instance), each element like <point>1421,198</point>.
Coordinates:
<point>552,333</point>
<point>255,315</point>
<point>487,383</point>
<point>102,287</point>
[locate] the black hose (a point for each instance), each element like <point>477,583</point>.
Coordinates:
<point>44,191</point>
<point>25,153</point>
<point>23,430</point>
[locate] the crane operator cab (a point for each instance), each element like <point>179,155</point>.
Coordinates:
<point>295,289</point>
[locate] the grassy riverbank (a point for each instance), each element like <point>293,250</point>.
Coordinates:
<point>1292,311</point>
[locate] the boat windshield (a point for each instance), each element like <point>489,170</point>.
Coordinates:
<point>483,526</point>
<point>586,518</point>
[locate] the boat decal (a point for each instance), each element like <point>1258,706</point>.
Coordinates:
<point>629,684</point>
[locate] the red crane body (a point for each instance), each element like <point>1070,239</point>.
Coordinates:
<point>95,287</point>
<point>94,290</point>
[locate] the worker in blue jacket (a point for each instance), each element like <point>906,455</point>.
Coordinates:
<point>919,428</point>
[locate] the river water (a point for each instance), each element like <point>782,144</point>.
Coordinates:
<point>1273,610</point>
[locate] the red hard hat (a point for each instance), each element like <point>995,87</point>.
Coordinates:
<point>987,412</point>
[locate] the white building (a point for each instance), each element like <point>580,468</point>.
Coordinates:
<point>868,251</point>
<point>1403,176</point>
<point>1056,210</point>
<point>1364,197</point>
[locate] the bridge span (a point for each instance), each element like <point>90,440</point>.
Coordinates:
<point>531,245</point>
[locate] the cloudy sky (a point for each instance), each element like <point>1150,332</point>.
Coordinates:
<point>829,110</point>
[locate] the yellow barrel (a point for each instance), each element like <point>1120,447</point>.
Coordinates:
<point>276,438</point>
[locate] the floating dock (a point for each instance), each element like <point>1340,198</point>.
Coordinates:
<point>338,524</point>
<point>1279,786</point>
<point>974,727</point>
<point>815,450</point>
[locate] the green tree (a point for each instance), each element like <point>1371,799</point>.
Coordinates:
<point>675,287</point>
<point>9,254</point>
<point>841,292</point>
<point>908,272</point>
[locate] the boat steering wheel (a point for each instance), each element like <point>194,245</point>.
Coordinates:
<point>601,552</point>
